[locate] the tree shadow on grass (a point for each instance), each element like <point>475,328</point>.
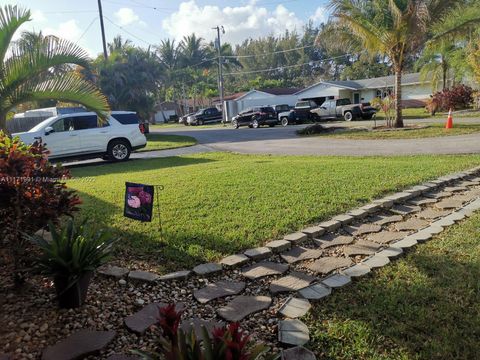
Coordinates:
<point>426,307</point>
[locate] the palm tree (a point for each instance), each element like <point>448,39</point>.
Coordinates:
<point>400,28</point>
<point>192,50</point>
<point>27,69</point>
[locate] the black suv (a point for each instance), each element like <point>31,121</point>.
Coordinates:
<point>205,116</point>
<point>299,114</point>
<point>255,117</point>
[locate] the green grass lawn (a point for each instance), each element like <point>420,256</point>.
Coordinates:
<point>420,113</point>
<point>433,130</point>
<point>423,306</point>
<point>162,142</point>
<point>216,204</point>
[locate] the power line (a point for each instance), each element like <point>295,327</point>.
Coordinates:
<point>270,53</point>
<point>126,31</point>
<point>88,28</point>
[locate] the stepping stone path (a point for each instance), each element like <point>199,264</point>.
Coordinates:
<point>315,292</point>
<point>297,353</point>
<point>263,269</point>
<point>114,271</point>
<point>337,280</point>
<point>363,229</point>
<point>207,269</point>
<point>328,264</point>
<point>356,270</point>
<point>362,247</point>
<point>178,275</point>
<point>196,325</point>
<point>217,290</point>
<point>290,283</point>
<point>79,345</point>
<point>438,195</point>
<point>296,238</point>
<point>391,252</point>
<point>430,214</point>
<point>411,224</point>
<point>234,260</point>
<point>298,253</point>
<point>422,201</point>
<point>384,220</point>
<point>144,276</point>
<point>333,240</point>
<point>313,231</point>
<point>406,243</point>
<point>386,237</point>
<point>376,261</point>
<point>279,245</point>
<point>449,204</point>
<point>405,209</point>
<point>331,225</point>
<point>294,308</point>
<point>143,319</point>
<point>293,332</point>
<point>242,306</point>
<point>259,253</point>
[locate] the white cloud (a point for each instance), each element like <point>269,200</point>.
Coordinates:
<point>320,16</point>
<point>240,22</point>
<point>126,16</point>
<point>69,30</point>
<point>38,16</point>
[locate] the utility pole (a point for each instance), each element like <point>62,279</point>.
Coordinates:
<point>102,27</point>
<point>220,70</point>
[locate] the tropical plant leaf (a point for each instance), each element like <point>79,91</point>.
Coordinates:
<point>11,18</point>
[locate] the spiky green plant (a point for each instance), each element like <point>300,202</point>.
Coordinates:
<point>27,72</point>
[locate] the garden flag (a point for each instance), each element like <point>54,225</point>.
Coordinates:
<point>138,201</point>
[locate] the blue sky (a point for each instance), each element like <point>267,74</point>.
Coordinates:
<point>149,21</point>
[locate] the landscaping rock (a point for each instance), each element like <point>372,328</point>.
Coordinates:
<point>358,213</point>
<point>371,208</point>
<point>296,238</point>
<point>430,214</point>
<point>411,224</point>
<point>337,280</point>
<point>294,308</point>
<point>362,247</point>
<point>313,231</point>
<point>217,290</point>
<point>400,197</point>
<point>391,252</point>
<point>386,237</point>
<point>331,225</point>
<point>333,240</point>
<point>293,332</point>
<point>363,229</point>
<point>384,220</point>
<point>315,292</point>
<point>406,243</point>
<point>299,253</point>
<point>449,204</point>
<point>234,260</point>
<point>434,229</point>
<point>144,276</point>
<point>279,245</point>
<point>421,236</point>
<point>178,275</point>
<point>297,353</point>
<point>207,269</point>
<point>258,253</point>
<point>343,219</point>
<point>376,261</point>
<point>405,209</point>
<point>143,319</point>
<point>384,203</point>
<point>422,201</point>
<point>438,194</point>
<point>263,269</point>
<point>242,306</point>
<point>444,222</point>
<point>196,325</point>
<point>113,271</point>
<point>356,270</point>
<point>293,282</point>
<point>328,264</point>
<point>79,345</point>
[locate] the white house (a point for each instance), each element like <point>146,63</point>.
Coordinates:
<point>414,91</point>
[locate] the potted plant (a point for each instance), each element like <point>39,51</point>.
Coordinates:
<point>71,256</point>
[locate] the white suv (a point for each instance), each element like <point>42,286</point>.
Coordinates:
<point>82,135</point>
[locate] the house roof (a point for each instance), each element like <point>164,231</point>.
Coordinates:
<point>374,83</point>
<point>280,91</point>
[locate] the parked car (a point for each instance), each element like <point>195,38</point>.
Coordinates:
<point>343,108</point>
<point>299,114</point>
<point>205,116</point>
<point>255,117</point>
<point>281,108</point>
<point>83,135</point>
<point>183,119</point>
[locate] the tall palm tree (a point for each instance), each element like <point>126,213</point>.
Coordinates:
<point>26,71</point>
<point>400,28</point>
<point>193,51</point>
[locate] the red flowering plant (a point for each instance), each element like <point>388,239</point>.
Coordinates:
<point>32,194</point>
<point>225,343</point>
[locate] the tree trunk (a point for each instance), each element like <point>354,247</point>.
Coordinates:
<point>444,74</point>
<point>3,122</point>
<point>398,97</point>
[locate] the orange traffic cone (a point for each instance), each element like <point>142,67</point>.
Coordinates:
<point>449,123</point>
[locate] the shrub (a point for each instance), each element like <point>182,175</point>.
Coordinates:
<point>456,98</point>
<point>32,193</point>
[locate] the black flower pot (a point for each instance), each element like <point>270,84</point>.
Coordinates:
<point>75,295</point>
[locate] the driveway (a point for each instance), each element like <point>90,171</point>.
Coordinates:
<point>284,141</point>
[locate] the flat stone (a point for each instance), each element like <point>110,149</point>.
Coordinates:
<point>411,224</point>
<point>376,261</point>
<point>431,214</point>
<point>296,238</point>
<point>294,281</point>
<point>421,236</point>
<point>405,209</point>
<point>343,219</point>
<point>337,280</point>
<point>207,269</point>
<point>443,222</point>
<point>279,245</point>
<point>145,276</point>
<point>386,237</point>
<point>313,231</point>
<point>456,216</point>
<point>79,345</point>
<point>418,189</point>
<point>143,319</point>
<point>406,243</point>
<point>297,353</point>
<point>217,290</point>
<point>258,253</point>
<point>328,264</point>
<point>113,271</point>
<point>391,252</point>
<point>384,220</point>
<point>315,292</point>
<point>358,213</point>
<point>293,332</point>
<point>384,203</point>
<point>234,260</point>
<point>196,324</point>
<point>422,201</point>
<point>449,204</point>
<point>400,197</point>
<point>333,240</point>
<point>455,188</point>
<point>242,306</point>
<point>362,247</point>
<point>438,194</point>
<point>123,357</point>
<point>177,275</point>
<point>356,270</point>
<point>371,208</point>
<point>363,229</point>
<point>263,269</point>
<point>434,229</point>
<point>330,225</point>
<point>299,253</point>
<point>294,307</point>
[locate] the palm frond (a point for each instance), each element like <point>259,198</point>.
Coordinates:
<point>457,21</point>
<point>11,18</point>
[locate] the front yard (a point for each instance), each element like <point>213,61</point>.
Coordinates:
<point>219,203</point>
<point>157,141</point>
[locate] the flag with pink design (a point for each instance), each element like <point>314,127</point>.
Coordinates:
<point>138,201</point>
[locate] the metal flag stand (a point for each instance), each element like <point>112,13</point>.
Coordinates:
<point>159,188</point>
